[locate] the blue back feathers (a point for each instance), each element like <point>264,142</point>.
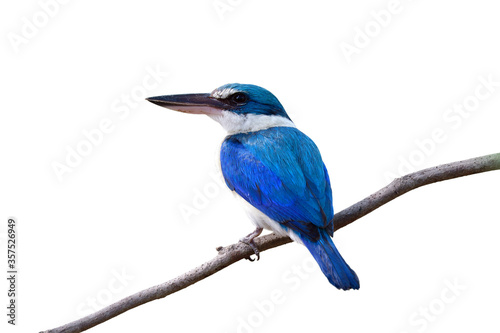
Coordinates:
<point>280,172</point>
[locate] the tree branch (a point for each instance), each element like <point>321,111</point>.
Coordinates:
<point>233,253</point>
<point>415,180</point>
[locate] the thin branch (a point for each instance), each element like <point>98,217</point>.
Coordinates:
<point>415,180</point>
<point>236,252</point>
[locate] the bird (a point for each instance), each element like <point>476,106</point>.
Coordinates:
<point>274,169</point>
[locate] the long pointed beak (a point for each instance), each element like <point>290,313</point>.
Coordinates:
<point>190,103</point>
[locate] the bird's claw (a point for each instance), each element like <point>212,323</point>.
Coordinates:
<point>252,245</point>
<point>248,240</point>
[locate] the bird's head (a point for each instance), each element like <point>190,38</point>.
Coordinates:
<point>237,107</point>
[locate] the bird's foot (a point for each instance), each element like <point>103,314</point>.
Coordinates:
<point>256,251</point>
<point>248,240</point>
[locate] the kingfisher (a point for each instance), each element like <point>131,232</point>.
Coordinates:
<point>274,169</point>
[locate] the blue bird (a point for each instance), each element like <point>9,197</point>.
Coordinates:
<point>275,169</point>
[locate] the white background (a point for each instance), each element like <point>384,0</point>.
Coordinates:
<point>119,210</point>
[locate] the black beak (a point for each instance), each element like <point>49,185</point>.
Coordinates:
<point>190,103</point>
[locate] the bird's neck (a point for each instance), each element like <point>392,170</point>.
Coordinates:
<point>235,123</point>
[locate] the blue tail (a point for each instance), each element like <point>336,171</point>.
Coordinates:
<point>331,263</point>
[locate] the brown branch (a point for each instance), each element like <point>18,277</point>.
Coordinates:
<point>233,253</point>
<point>415,180</point>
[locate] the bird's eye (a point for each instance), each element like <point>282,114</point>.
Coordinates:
<point>239,98</point>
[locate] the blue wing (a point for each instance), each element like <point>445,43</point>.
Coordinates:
<point>280,172</point>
